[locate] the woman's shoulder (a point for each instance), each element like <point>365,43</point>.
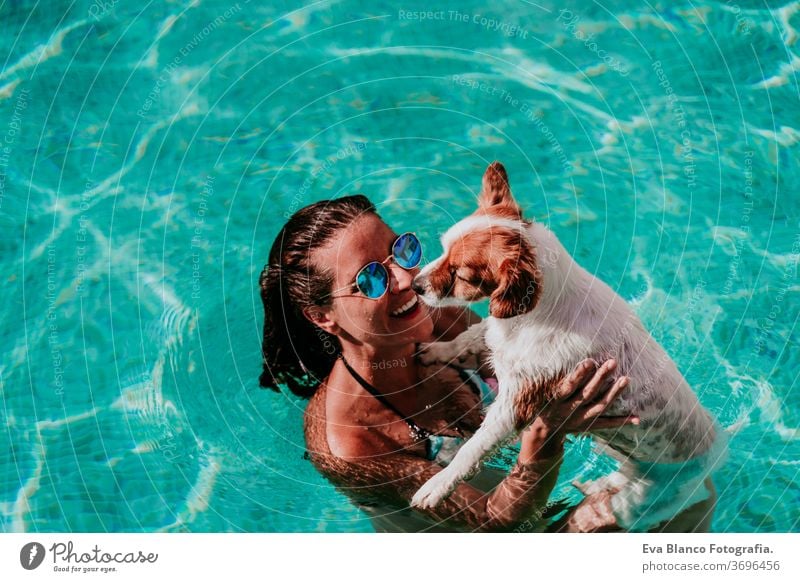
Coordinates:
<point>334,436</point>
<point>315,428</point>
<point>314,415</point>
<point>331,440</point>
<point>314,422</point>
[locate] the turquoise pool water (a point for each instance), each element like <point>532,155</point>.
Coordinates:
<point>149,153</point>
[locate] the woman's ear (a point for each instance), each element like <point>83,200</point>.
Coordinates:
<point>321,317</point>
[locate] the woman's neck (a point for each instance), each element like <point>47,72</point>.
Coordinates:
<point>388,370</point>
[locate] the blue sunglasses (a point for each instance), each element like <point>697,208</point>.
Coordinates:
<point>373,278</point>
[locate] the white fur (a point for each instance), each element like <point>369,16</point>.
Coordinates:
<point>579,316</point>
<point>478,222</point>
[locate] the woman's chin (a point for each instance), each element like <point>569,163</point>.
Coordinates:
<point>417,322</point>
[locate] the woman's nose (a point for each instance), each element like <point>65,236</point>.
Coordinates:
<point>399,278</point>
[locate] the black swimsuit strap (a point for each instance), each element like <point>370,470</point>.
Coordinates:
<point>417,431</point>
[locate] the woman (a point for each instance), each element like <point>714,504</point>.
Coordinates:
<point>342,326</point>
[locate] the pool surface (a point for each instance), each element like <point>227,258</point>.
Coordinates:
<point>149,152</point>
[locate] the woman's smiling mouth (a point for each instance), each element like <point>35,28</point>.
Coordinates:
<point>408,309</point>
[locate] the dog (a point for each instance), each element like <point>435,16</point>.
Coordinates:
<point>546,315</point>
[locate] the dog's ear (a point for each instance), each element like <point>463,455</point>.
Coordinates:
<point>519,289</point>
<point>495,191</point>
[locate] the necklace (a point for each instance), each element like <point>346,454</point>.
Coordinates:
<point>417,432</point>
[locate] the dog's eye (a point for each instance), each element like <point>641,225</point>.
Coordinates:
<point>468,277</point>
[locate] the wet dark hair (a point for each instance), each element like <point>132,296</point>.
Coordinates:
<point>296,352</point>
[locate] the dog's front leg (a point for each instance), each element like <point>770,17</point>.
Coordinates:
<point>497,427</point>
<point>466,350</point>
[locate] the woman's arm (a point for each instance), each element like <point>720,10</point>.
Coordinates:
<point>393,479</point>
<point>521,496</point>
<point>449,323</point>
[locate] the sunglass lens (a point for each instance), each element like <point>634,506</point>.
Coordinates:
<point>407,251</point>
<point>373,280</point>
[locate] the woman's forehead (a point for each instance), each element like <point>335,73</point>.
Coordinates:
<point>366,239</point>
<point>364,233</point>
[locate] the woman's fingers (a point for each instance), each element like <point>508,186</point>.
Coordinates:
<point>594,514</point>
<point>605,422</point>
<point>599,408</point>
<point>599,380</point>
<point>580,376</point>
<point>585,395</point>
<point>620,385</point>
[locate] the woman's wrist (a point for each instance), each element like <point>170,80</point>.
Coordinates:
<point>540,442</point>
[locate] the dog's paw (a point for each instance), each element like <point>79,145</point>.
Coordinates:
<point>433,492</point>
<point>609,483</point>
<point>470,360</point>
<point>435,353</point>
<point>587,487</point>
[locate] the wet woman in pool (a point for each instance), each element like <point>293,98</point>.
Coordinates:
<point>341,327</point>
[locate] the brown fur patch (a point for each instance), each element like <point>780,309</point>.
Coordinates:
<point>501,211</point>
<point>494,263</point>
<point>496,192</point>
<point>519,284</point>
<point>441,279</point>
<point>530,400</point>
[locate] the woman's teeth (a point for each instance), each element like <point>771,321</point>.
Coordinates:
<point>402,310</point>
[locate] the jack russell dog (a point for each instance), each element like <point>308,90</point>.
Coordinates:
<point>546,315</point>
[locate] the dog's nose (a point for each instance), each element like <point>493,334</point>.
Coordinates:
<point>418,286</point>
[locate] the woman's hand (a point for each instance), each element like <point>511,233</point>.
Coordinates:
<point>594,514</point>
<point>578,405</point>
<point>583,397</point>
